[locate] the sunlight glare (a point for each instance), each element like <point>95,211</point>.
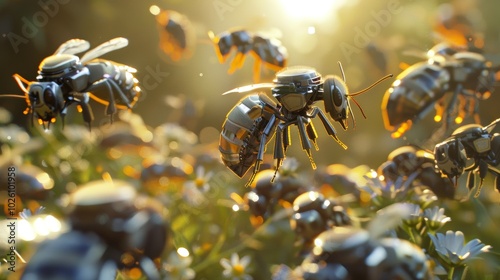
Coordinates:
<point>313,9</point>
<point>154,10</point>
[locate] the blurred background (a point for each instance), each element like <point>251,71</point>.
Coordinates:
<point>370,38</point>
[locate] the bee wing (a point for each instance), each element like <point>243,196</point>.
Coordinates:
<point>73,46</point>
<point>249,88</point>
<point>491,126</point>
<point>109,46</point>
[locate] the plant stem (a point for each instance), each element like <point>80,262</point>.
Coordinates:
<point>457,273</point>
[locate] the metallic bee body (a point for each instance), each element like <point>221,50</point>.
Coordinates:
<point>177,38</point>
<point>409,164</point>
<point>242,133</point>
<point>65,79</point>
<point>268,52</point>
<point>313,214</point>
<point>470,142</point>
<point>467,75</point>
<point>266,195</point>
<point>251,124</point>
<point>111,228</point>
<point>73,255</point>
<point>350,253</point>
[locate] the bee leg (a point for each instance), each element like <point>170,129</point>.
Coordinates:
<point>32,112</point>
<point>452,105</point>
<point>287,140</point>
<point>279,148</point>
<point>87,113</point>
<point>306,144</point>
<point>471,180</point>
<point>483,169</point>
<point>462,109</point>
<point>256,69</point>
<point>474,108</point>
<point>63,116</point>
<point>106,84</point>
<point>312,134</point>
<point>122,95</point>
<point>328,126</point>
<point>262,148</point>
<point>439,106</point>
<point>237,63</point>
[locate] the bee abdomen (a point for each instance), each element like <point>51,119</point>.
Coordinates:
<point>241,134</point>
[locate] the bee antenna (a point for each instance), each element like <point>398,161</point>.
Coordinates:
<point>342,71</point>
<point>371,86</point>
<point>359,106</point>
<point>13,95</point>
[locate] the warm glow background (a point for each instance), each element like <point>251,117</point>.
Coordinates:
<point>316,33</point>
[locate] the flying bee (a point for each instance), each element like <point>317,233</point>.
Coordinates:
<point>470,142</point>
<point>467,75</point>
<point>267,52</point>
<point>64,79</point>
<point>251,124</point>
<point>176,34</point>
<point>460,25</point>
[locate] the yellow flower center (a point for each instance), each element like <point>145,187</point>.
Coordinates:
<point>199,182</point>
<point>238,270</point>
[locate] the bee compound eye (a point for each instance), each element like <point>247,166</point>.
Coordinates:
<point>337,96</point>
<point>49,97</point>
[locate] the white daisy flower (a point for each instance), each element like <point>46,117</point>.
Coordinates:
<point>236,268</point>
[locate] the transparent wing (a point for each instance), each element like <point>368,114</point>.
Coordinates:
<point>109,46</point>
<point>73,46</point>
<point>249,88</point>
<point>491,126</point>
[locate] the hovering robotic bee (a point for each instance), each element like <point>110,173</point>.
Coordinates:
<point>459,25</point>
<point>469,76</point>
<point>267,52</point>
<point>470,142</point>
<point>176,34</point>
<point>64,79</point>
<point>251,124</point>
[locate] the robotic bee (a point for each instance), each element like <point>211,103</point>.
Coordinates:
<point>470,142</point>
<point>112,228</point>
<point>176,34</point>
<point>416,166</point>
<point>268,52</point>
<point>468,75</point>
<point>64,79</point>
<point>251,124</point>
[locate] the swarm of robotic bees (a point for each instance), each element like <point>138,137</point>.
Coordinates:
<point>111,231</point>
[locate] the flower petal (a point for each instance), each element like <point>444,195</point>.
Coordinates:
<point>245,261</point>
<point>226,264</point>
<point>235,259</point>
